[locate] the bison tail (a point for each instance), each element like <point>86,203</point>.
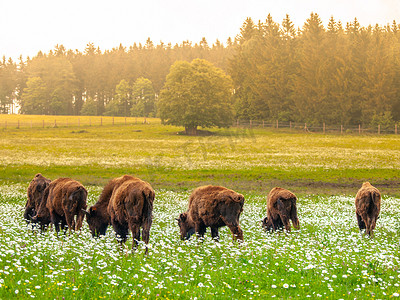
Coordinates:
<point>373,203</point>
<point>148,196</point>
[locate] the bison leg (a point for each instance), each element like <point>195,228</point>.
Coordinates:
<point>361,223</point>
<point>135,229</point>
<point>56,220</point>
<point>121,230</point>
<point>64,225</point>
<point>294,218</point>
<point>285,222</point>
<point>200,229</point>
<point>146,231</point>
<point>371,228</point>
<point>214,233</point>
<point>70,220</point>
<point>79,220</point>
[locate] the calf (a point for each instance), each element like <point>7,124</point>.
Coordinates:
<point>281,208</point>
<point>63,199</point>
<point>35,194</point>
<point>368,206</point>
<point>212,206</point>
<point>130,207</point>
<point>98,217</point>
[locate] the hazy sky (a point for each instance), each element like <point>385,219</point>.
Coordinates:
<point>27,26</point>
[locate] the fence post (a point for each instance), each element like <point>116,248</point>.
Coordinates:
<point>379,129</point>
<point>250,123</point>
<point>277,124</point>
<point>395,129</point>
<point>290,124</point>
<point>341,129</point>
<point>305,127</point>
<point>323,127</point>
<point>18,125</point>
<point>55,123</point>
<point>264,124</point>
<point>359,128</point>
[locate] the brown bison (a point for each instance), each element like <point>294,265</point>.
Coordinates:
<point>35,194</point>
<point>98,217</point>
<point>368,206</point>
<point>281,208</point>
<point>212,206</point>
<point>131,207</point>
<point>63,199</point>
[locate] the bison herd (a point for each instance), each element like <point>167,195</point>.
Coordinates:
<point>126,203</point>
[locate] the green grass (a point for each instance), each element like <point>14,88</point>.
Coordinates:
<point>326,258</point>
<point>246,159</point>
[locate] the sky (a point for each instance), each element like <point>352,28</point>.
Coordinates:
<point>29,26</point>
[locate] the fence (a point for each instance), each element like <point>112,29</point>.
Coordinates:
<point>322,128</point>
<point>71,121</point>
<point>23,121</point>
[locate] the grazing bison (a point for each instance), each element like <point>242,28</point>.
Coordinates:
<point>212,206</point>
<point>281,208</point>
<point>368,206</point>
<point>98,217</point>
<point>35,194</point>
<point>63,199</point>
<point>131,207</point>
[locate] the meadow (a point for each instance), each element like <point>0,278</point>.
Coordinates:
<point>326,258</point>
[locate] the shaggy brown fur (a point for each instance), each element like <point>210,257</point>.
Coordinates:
<point>368,206</point>
<point>281,208</point>
<point>98,217</point>
<point>212,206</point>
<point>35,194</point>
<point>63,199</point>
<point>131,207</point>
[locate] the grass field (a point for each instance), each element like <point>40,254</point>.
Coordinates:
<point>326,258</point>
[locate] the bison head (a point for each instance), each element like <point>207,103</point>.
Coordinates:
<point>97,222</point>
<point>185,226</point>
<point>42,220</point>
<point>29,212</point>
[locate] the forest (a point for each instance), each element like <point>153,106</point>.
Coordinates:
<point>337,74</point>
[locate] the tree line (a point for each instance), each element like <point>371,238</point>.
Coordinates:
<point>345,74</point>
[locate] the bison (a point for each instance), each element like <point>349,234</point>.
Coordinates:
<point>368,206</point>
<point>63,199</point>
<point>281,208</point>
<point>35,194</point>
<point>212,206</point>
<point>98,217</point>
<point>131,207</point>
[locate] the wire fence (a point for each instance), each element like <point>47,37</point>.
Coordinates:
<point>72,121</point>
<point>322,128</point>
<point>19,122</point>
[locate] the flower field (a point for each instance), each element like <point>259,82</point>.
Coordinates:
<point>326,258</point>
